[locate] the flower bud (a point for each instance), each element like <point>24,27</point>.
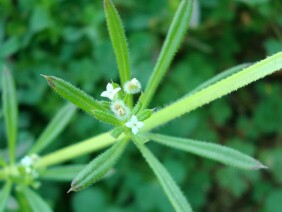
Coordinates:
<point>120,109</point>
<point>132,87</point>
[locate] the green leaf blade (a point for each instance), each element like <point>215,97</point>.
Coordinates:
<point>172,42</point>
<point>145,114</point>
<point>54,128</point>
<point>10,107</point>
<point>73,94</point>
<point>172,191</point>
<point>106,117</point>
<point>116,132</point>
<point>22,201</point>
<point>118,39</point>
<point>98,167</point>
<point>215,91</point>
<point>4,195</point>
<point>211,151</point>
<point>35,201</point>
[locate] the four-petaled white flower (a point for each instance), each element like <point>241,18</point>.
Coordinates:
<point>134,124</point>
<point>110,92</point>
<point>26,161</point>
<point>132,87</point>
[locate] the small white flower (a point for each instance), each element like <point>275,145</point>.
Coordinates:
<point>132,87</point>
<point>34,158</point>
<point>120,109</point>
<point>134,124</point>
<point>110,92</point>
<point>26,161</point>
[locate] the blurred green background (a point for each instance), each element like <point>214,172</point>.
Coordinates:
<point>69,39</point>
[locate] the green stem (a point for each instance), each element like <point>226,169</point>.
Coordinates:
<point>215,91</point>
<point>82,148</point>
<point>8,172</point>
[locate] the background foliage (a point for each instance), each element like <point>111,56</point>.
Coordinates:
<point>69,39</point>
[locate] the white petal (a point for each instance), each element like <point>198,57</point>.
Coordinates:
<point>104,94</point>
<point>140,124</point>
<point>110,87</point>
<point>111,96</point>
<point>134,81</point>
<point>135,130</point>
<point>134,119</point>
<point>125,87</point>
<point>26,161</point>
<point>116,90</point>
<point>128,124</point>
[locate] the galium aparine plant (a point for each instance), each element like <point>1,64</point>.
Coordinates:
<point>134,121</point>
<point>20,174</point>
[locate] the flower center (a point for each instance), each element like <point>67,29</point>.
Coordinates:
<point>132,86</point>
<point>121,111</point>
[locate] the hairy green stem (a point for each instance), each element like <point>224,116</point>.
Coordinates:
<point>82,148</point>
<point>215,91</point>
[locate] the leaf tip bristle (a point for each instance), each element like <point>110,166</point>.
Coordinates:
<point>70,190</point>
<point>106,3</point>
<point>49,80</point>
<point>259,166</point>
<point>263,166</point>
<point>45,76</point>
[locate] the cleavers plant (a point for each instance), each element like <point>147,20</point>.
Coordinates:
<point>134,121</point>
<point>18,172</point>
<point>127,118</point>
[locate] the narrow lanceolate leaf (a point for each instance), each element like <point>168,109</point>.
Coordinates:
<point>145,114</point>
<point>212,151</point>
<point>136,108</point>
<point>98,167</point>
<point>141,138</point>
<point>54,128</point>
<point>106,117</point>
<point>61,173</point>
<point>10,111</point>
<point>22,201</point>
<point>172,191</point>
<point>73,94</point>
<point>219,77</point>
<point>173,40</point>
<point>4,195</point>
<point>35,201</point>
<point>215,91</point>
<point>116,132</point>
<point>118,39</point>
